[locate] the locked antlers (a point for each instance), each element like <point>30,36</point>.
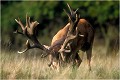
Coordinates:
<point>73,19</point>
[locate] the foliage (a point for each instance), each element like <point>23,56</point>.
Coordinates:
<point>40,10</point>
<point>51,16</point>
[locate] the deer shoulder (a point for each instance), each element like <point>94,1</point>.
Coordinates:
<point>61,34</point>
<point>59,38</point>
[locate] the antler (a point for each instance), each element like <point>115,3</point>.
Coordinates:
<point>28,47</point>
<point>30,31</point>
<point>74,19</point>
<point>72,14</point>
<point>20,23</point>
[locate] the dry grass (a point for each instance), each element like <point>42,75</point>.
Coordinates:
<point>16,66</point>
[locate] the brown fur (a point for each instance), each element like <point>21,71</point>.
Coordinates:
<point>79,43</point>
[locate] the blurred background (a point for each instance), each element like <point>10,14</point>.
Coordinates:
<point>103,15</point>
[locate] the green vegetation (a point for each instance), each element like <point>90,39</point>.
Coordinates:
<point>51,17</point>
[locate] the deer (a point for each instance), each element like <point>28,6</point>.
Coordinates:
<point>30,32</point>
<point>53,51</point>
<point>80,36</point>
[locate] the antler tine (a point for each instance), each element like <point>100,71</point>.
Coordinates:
<point>18,32</point>
<point>71,11</point>
<point>77,17</point>
<point>67,13</point>
<point>20,23</point>
<point>28,47</point>
<point>27,21</point>
<point>33,26</point>
<point>20,52</point>
<point>76,10</point>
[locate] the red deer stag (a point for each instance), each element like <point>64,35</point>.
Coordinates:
<point>83,42</point>
<point>30,31</point>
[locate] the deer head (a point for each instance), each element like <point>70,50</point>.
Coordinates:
<point>30,31</point>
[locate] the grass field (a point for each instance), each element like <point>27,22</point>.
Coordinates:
<point>17,66</point>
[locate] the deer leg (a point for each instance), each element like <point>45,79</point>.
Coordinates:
<point>73,59</point>
<point>78,60</point>
<point>51,60</point>
<point>89,55</point>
